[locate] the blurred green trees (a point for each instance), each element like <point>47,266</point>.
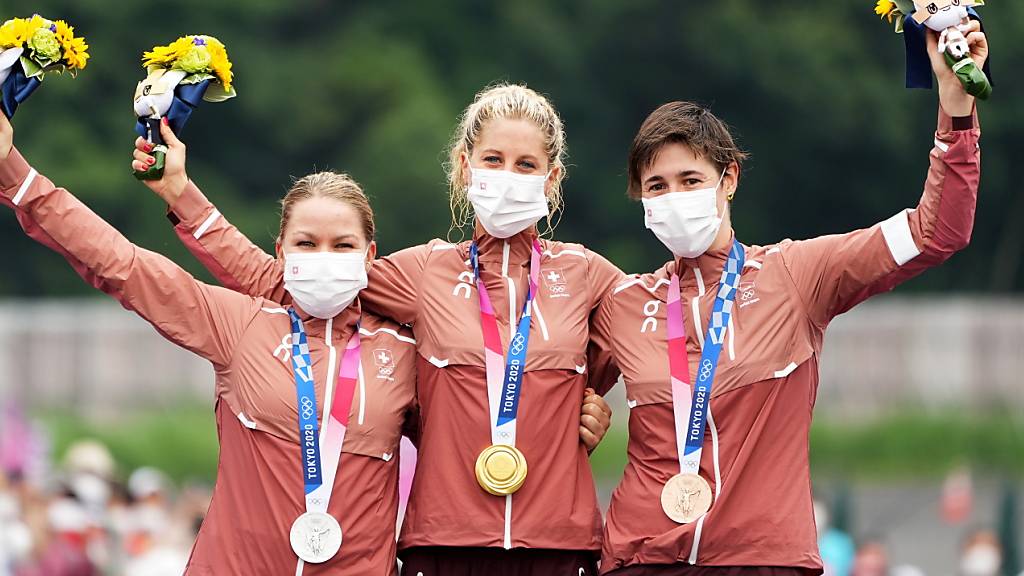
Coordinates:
<point>814,91</point>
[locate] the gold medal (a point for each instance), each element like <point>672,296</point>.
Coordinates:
<point>501,469</point>
<point>686,497</point>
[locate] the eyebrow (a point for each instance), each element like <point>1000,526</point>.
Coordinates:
<point>336,238</point>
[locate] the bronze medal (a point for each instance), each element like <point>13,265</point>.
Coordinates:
<point>686,497</point>
<point>501,469</point>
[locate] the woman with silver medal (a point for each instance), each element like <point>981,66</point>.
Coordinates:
<point>719,348</point>
<point>278,369</point>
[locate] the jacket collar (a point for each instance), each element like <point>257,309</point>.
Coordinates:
<point>704,270</point>
<point>512,251</point>
<point>342,326</point>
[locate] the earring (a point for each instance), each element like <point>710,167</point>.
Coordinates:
<point>730,196</point>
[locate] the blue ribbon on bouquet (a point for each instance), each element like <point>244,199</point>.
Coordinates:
<point>16,89</point>
<point>186,98</point>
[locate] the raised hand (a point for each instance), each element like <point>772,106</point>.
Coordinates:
<point>170,187</point>
<point>954,98</point>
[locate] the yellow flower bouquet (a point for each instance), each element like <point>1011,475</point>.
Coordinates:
<point>32,47</point>
<point>180,75</point>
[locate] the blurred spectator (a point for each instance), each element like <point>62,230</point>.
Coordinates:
<point>871,559</point>
<point>836,547</point>
<point>981,555</point>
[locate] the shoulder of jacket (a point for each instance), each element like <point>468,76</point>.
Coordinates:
<point>378,328</point>
<point>555,250</point>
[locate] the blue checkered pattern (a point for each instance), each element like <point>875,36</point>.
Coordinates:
<point>300,349</point>
<point>726,294</point>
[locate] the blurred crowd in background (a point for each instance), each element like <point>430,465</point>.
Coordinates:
<point>82,515</point>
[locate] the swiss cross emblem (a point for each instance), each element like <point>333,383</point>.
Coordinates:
<point>385,362</point>
<point>382,357</point>
<point>483,185</point>
<point>553,276</point>
<point>555,280</point>
<point>295,269</point>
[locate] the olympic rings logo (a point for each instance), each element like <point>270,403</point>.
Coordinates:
<point>307,407</point>
<point>557,289</point>
<point>517,344</point>
<point>705,369</point>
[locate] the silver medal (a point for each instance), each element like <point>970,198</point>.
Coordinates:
<point>315,537</point>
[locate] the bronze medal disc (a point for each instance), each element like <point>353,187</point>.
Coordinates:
<point>501,469</point>
<point>686,497</point>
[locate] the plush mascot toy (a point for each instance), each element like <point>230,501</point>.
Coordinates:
<point>947,17</point>
<point>180,76</point>
<point>31,47</point>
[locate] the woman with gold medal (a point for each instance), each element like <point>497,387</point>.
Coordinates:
<point>719,348</point>
<point>505,354</point>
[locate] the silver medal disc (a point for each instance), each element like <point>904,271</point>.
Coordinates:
<point>315,537</point>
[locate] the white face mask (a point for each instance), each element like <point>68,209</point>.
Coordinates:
<point>686,222</point>
<point>507,203</point>
<point>324,283</point>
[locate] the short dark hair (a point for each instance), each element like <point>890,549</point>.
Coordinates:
<point>685,123</point>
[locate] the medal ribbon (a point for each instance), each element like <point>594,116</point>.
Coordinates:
<point>505,385</point>
<point>319,479</point>
<point>691,412</point>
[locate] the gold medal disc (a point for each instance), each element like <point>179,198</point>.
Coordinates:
<point>686,497</point>
<point>501,469</point>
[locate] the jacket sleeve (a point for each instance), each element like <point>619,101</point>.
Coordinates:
<point>393,289</point>
<point>832,274</point>
<point>602,370</point>
<point>228,254</point>
<point>207,320</point>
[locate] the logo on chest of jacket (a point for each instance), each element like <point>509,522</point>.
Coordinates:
<point>555,280</point>
<point>746,294</point>
<point>385,362</point>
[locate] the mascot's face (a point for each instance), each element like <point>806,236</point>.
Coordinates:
<point>155,94</point>
<point>941,14</point>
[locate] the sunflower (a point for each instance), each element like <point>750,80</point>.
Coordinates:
<point>183,54</point>
<point>887,9</point>
<point>219,62</point>
<point>16,31</point>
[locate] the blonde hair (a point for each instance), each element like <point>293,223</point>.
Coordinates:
<point>329,185</point>
<point>512,101</point>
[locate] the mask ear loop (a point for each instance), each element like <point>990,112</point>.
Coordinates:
<point>730,195</point>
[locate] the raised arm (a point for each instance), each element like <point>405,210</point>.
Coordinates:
<point>206,320</point>
<point>228,254</point>
<point>834,273</point>
<point>239,264</point>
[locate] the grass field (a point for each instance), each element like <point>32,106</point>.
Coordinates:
<point>182,442</point>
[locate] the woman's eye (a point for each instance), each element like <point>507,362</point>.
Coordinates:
<point>656,187</point>
<point>344,246</point>
<point>693,182</point>
<point>305,244</point>
<point>527,165</point>
<point>492,159</point>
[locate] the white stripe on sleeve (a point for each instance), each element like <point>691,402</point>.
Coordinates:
<point>898,237</point>
<point>24,187</point>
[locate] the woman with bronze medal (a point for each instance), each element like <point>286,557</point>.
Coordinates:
<point>501,324</point>
<point>719,348</point>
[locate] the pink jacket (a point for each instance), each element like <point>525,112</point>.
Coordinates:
<point>259,490</point>
<point>755,456</point>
